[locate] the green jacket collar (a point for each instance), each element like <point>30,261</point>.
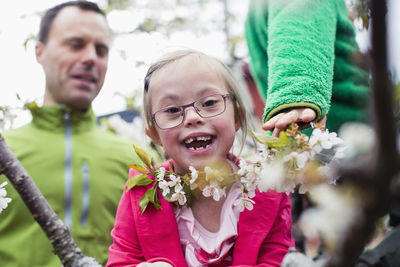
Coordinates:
<point>55,118</point>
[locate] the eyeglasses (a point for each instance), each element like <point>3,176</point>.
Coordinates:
<point>206,107</point>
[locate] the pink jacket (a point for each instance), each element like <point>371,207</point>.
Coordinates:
<point>264,234</point>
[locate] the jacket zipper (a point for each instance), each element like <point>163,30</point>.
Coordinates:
<point>68,171</point>
<point>85,196</point>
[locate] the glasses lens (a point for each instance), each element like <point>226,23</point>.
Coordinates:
<point>210,106</point>
<point>168,117</point>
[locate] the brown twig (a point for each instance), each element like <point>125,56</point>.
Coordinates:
<point>384,164</point>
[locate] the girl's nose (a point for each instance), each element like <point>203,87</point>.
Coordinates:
<point>192,117</point>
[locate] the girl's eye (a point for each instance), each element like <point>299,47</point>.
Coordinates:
<point>210,103</point>
<point>172,110</point>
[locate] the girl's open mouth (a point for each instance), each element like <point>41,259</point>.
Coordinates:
<point>199,142</point>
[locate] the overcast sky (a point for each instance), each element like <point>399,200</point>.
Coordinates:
<point>20,73</point>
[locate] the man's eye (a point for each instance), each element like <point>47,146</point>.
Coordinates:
<point>101,51</point>
<point>75,45</point>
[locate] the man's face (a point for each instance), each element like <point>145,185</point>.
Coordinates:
<point>74,57</point>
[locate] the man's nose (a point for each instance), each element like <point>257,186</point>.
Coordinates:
<point>89,56</point>
<point>192,117</point>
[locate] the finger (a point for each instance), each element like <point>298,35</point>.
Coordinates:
<point>323,122</point>
<point>270,124</point>
<point>276,132</point>
<point>307,115</point>
<point>283,120</point>
<point>287,119</point>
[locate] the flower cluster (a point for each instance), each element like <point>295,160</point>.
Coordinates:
<point>294,159</point>
<point>3,199</point>
<point>176,188</point>
<point>283,164</point>
<point>323,220</point>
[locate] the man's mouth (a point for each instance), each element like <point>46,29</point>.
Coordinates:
<point>85,78</point>
<point>199,142</point>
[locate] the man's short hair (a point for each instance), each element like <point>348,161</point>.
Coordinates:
<point>51,13</point>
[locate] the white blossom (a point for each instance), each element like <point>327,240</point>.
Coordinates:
<point>174,180</point>
<point>358,137</point>
<point>251,194</point>
<point>7,117</point>
<point>161,174</point>
<point>250,174</point>
<point>242,168</point>
<point>178,188</point>
<point>287,187</point>
<point>339,154</point>
<point>210,173</point>
<point>271,176</point>
<point>194,175</point>
<point>332,215</point>
<point>179,195</point>
<point>297,259</point>
<point>300,158</point>
<point>3,199</point>
<point>164,186</point>
<point>278,170</point>
<point>244,203</point>
<point>303,188</point>
<point>214,190</point>
<point>320,140</point>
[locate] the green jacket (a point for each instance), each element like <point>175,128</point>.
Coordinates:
<point>80,169</point>
<point>301,54</point>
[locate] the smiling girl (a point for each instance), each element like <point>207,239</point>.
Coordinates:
<point>192,110</point>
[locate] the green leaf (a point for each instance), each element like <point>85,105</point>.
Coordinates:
<point>267,139</point>
<point>263,137</point>
<point>145,199</point>
<point>188,193</point>
<point>154,199</point>
<point>143,156</point>
<point>283,140</point>
<point>31,106</point>
<point>138,179</point>
<point>138,168</point>
<point>150,196</point>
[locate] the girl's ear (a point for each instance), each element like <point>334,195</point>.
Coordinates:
<point>152,133</point>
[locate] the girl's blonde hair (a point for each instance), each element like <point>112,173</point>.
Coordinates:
<point>221,69</point>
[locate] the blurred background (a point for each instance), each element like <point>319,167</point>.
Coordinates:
<point>144,29</point>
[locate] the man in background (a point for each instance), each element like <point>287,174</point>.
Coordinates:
<point>80,169</point>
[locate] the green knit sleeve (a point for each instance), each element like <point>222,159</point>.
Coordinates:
<point>301,36</point>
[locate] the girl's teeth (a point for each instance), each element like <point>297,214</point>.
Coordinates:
<point>198,148</point>
<point>200,138</point>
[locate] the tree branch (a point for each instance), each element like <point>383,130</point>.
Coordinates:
<point>384,165</point>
